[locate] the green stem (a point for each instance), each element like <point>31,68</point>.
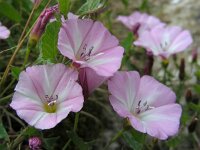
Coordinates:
<point>26,56</point>
<point>76,121</point>
<point>67,144</point>
<point>75,128</point>
<point>18,140</point>
<point>114,138</point>
<point>8,87</point>
<point>4,99</point>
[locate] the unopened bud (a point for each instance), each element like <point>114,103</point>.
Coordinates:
<point>188,96</point>
<point>41,23</point>
<point>194,55</point>
<point>193,125</point>
<point>34,143</point>
<point>182,70</point>
<point>149,64</point>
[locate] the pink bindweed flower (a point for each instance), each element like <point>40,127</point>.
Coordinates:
<point>148,105</point>
<point>4,32</point>
<point>93,50</point>
<point>164,41</point>
<point>46,94</point>
<point>139,21</point>
<point>89,44</point>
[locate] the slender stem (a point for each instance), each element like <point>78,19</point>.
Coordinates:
<point>7,87</point>
<point>75,128</point>
<point>28,50</point>
<point>114,139</point>
<point>18,140</point>
<point>76,121</point>
<point>17,49</point>
<point>165,75</point>
<point>27,23</point>
<point>15,52</point>
<point>15,118</point>
<point>5,98</point>
<point>67,144</point>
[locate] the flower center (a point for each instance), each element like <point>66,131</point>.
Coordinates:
<point>50,105</point>
<point>164,45</point>
<point>143,107</point>
<point>85,55</point>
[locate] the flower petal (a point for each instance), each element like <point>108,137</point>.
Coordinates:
<point>89,80</point>
<point>71,36</point>
<point>124,87</point>
<point>163,121</point>
<point>155,93</point>
<point>107,62</point>
<point>46,77</point>
<point>4,32</point>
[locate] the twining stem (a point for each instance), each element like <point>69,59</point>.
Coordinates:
<point>18,140</point>
<point>7,87</point>
<point>119,134</point>
<point>22,38</point>
<point>75,128</point>
<point>27,23</point>
<point>2,100</point>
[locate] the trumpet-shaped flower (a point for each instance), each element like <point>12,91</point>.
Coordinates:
<point>4,32</point>
<point>89,80</point>
<point>149,105</point>
<point>90,45</point>
<point>46,94</point>
<point>139,21</point>
<point>164,41</point>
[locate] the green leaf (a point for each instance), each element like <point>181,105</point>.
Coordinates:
<point>49,42</point>
<point>15,71</point>
<point>134,139</point>
<point>78,142</point>
<point>9,11</point>
<point>3,133</point>
<point>90,6</point>
<point>64,6</point>
<point>128,42</point>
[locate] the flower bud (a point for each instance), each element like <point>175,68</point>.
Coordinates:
<point>193,125</point>
<point>188,96</point>
<point>149,64</point>
<point>194,55</point>
<point>34,143</point>
<point>182,70</point>
<point>41,23</point>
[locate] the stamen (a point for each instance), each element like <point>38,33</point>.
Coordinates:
<point>144,107</point>
<point>50,105</point>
